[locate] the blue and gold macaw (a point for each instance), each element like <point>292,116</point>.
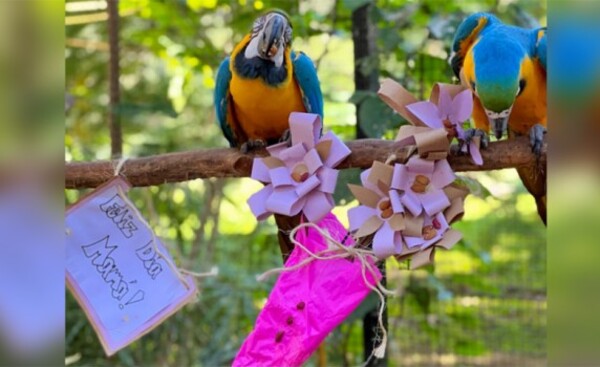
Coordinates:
<point>505,68</point>
<point>262,82</point>
<point>257,88</point>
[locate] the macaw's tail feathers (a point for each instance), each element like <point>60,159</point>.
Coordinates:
<point>534,180</point>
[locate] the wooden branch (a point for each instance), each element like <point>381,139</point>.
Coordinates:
<point>229,162</point>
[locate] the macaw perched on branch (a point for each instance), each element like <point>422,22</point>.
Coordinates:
<point>262,82</point>
<point>257,88</point>
<point>505,68</point>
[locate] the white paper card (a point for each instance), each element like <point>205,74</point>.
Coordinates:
<point>125,287</point>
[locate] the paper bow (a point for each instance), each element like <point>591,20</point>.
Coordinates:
<point>408,215</point>
<point>448,107</point>
<point>408,208</point>
<point>299,178</point>
<point>398,202</point>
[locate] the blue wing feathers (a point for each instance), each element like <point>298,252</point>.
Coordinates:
<point>541,48</point>
<point>221,99</point>
<point>308,81</point>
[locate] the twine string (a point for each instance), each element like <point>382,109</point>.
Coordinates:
<point>120,165</point>
<point>178,271</point>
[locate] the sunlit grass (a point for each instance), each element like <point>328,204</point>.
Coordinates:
<point>477,208</point>
<point>455,262</point>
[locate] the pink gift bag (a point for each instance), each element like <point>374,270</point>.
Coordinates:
<point>306,304</point>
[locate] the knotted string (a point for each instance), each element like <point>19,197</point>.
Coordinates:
<point>336,250</point>
<point>178,271</point>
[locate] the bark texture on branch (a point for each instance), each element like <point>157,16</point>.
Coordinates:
<point>229,162</point>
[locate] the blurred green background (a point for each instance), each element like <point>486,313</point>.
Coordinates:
<point>484,302</point>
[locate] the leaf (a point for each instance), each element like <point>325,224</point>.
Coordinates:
<point>390,38</point>
<point>439,27</point>
<point>474,186</point>
<point>370,303</point>
<point>483,255</point>
<point>470,347</point>
<point>129,109</point>
<point>443,293</point>
<point>342,194</point>
<point>352,5</point>
<point>359,96</point>
<point>197,5</point>
<point>375,117</point>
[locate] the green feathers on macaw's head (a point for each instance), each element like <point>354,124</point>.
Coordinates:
<point>271,34</point>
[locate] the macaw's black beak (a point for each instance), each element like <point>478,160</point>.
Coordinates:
<point>499,124</point>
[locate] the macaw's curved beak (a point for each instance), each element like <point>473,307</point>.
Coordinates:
<point>269,43</point>
<point>499,124</point>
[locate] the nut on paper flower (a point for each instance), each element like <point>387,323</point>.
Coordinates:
<point>429,232</point>
<point>300,173</point>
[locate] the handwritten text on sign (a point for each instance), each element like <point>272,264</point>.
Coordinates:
<point>114,270</point>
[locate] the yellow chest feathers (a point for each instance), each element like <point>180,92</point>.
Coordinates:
<point>530,107</point>
<point>260,110</point>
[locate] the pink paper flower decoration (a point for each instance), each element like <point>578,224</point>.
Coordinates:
<point>398,203</point>
<point>449,113</point>
<point>299,178</point>
<point>421,182</point>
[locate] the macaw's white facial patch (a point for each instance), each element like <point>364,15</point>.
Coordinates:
<point>497,115</point>
<point>278,58</point>
<point>252,48</point>
<point>452,55</point>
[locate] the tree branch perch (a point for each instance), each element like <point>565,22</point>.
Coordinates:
<point>228,162</point>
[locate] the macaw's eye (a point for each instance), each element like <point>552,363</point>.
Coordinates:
<point>522,84</point>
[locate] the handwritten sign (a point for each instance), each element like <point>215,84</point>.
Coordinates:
<point>120,273</point>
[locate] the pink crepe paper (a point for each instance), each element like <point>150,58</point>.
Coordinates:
<point>453,110</point>
<point>306,304</point>
<point>299,178</point>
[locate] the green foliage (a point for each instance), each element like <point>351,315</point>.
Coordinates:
<point>380,119</point>
<point>475,187</point>
<point>485,297</point>
<point>355,4</point>
<point>342,194</point>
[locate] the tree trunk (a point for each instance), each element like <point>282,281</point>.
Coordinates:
<point>366,78</point>
<point>366,63</point>
<point>114,123</point>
